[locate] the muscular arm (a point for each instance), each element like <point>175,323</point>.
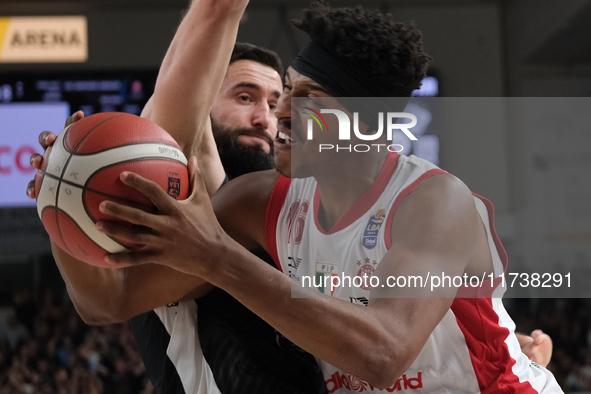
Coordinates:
<point>433,230</point>
<point>189,79</point>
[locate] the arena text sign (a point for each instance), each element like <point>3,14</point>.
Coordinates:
<point>43,39</point>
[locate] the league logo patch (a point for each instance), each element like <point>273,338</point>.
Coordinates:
<point>366,271</point>
<point>174,185</point>
<point>323,277</point>
<point>370,234</point>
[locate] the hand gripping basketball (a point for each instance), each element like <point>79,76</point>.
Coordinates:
<point>82,169</point>
<point>184,235</point>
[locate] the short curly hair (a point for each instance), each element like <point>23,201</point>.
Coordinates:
<point>373,42</point>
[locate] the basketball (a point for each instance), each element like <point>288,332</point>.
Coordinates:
<point>82,169</point>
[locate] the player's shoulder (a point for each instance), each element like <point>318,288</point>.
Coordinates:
<point>442,192</point>
<point>241,206</point>
<point>444,185</point>
<point>255,185</point>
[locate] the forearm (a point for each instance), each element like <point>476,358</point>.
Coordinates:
<point>210,164</point>
<point>348,336</point>
<point>193,69</point>
<point>95,292</point>
<point>105,295</point>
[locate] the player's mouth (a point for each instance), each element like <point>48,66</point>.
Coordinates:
<point>283,139</point>
<point>251,140</point>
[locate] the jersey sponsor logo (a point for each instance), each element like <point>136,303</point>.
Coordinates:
<point>324,274</point>
<point>338,381</point>
<point>366,271</point>
<point>370,234</point>
<point>297,219</point>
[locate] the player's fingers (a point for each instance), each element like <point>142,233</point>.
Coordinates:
<point>35,160</point>
<point>129,214</point>
<point>128,259</point>
<point>525,340</point>
<point>148,188</point>
<point>536,333</point>
<point>542,338</point>
<point>136,235</point>
<point>31,190</point>
<point>76,116</point>
<point>46,139</point>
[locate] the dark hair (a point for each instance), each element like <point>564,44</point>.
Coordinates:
<point>373,42</point>
<point>267,57</point>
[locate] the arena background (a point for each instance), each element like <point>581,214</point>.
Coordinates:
<point>481,48</point>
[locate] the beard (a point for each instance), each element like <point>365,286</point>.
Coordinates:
<point>239,159</point>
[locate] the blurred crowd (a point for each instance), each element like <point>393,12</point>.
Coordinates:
<point>45,348</point>
<point>568,322</point>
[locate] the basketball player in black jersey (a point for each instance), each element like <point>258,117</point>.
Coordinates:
<point>244,353</point>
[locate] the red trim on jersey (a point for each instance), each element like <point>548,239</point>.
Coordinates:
<point>491,220</point>
<point>365,202</point>
<point>485,340</point>
<point>486,287</point>
<point>276,201</point>
<point>404,193</point>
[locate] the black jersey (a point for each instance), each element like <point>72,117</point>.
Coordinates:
<point>217,345</point>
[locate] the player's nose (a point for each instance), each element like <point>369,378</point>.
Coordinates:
<point>263,116</point>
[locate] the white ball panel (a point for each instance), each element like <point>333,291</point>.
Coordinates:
<point>70,201</point>
<point>58,156</point>
<point>55,165</point>
<point>81,167</point>
<point>47,194</point>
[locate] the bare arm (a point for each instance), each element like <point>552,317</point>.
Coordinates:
<point>435,229</point>
<point>104,296</point>
<point>190,77</point>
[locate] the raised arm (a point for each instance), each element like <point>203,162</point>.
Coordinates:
<point>190,77</point>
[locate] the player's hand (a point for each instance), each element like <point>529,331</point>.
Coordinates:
<point>178,235</point>
<point>46,139</point>
<point>537,347</point>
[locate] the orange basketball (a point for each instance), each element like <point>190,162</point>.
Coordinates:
<point>82,169</point>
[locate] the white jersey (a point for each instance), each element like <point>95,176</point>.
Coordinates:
<point>169,343</point>
<point>473,349</point>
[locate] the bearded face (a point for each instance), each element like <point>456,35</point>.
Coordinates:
<point>237,158</point>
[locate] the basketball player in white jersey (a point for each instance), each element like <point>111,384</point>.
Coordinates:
<point>431,223</point>
<point>303,312</point>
